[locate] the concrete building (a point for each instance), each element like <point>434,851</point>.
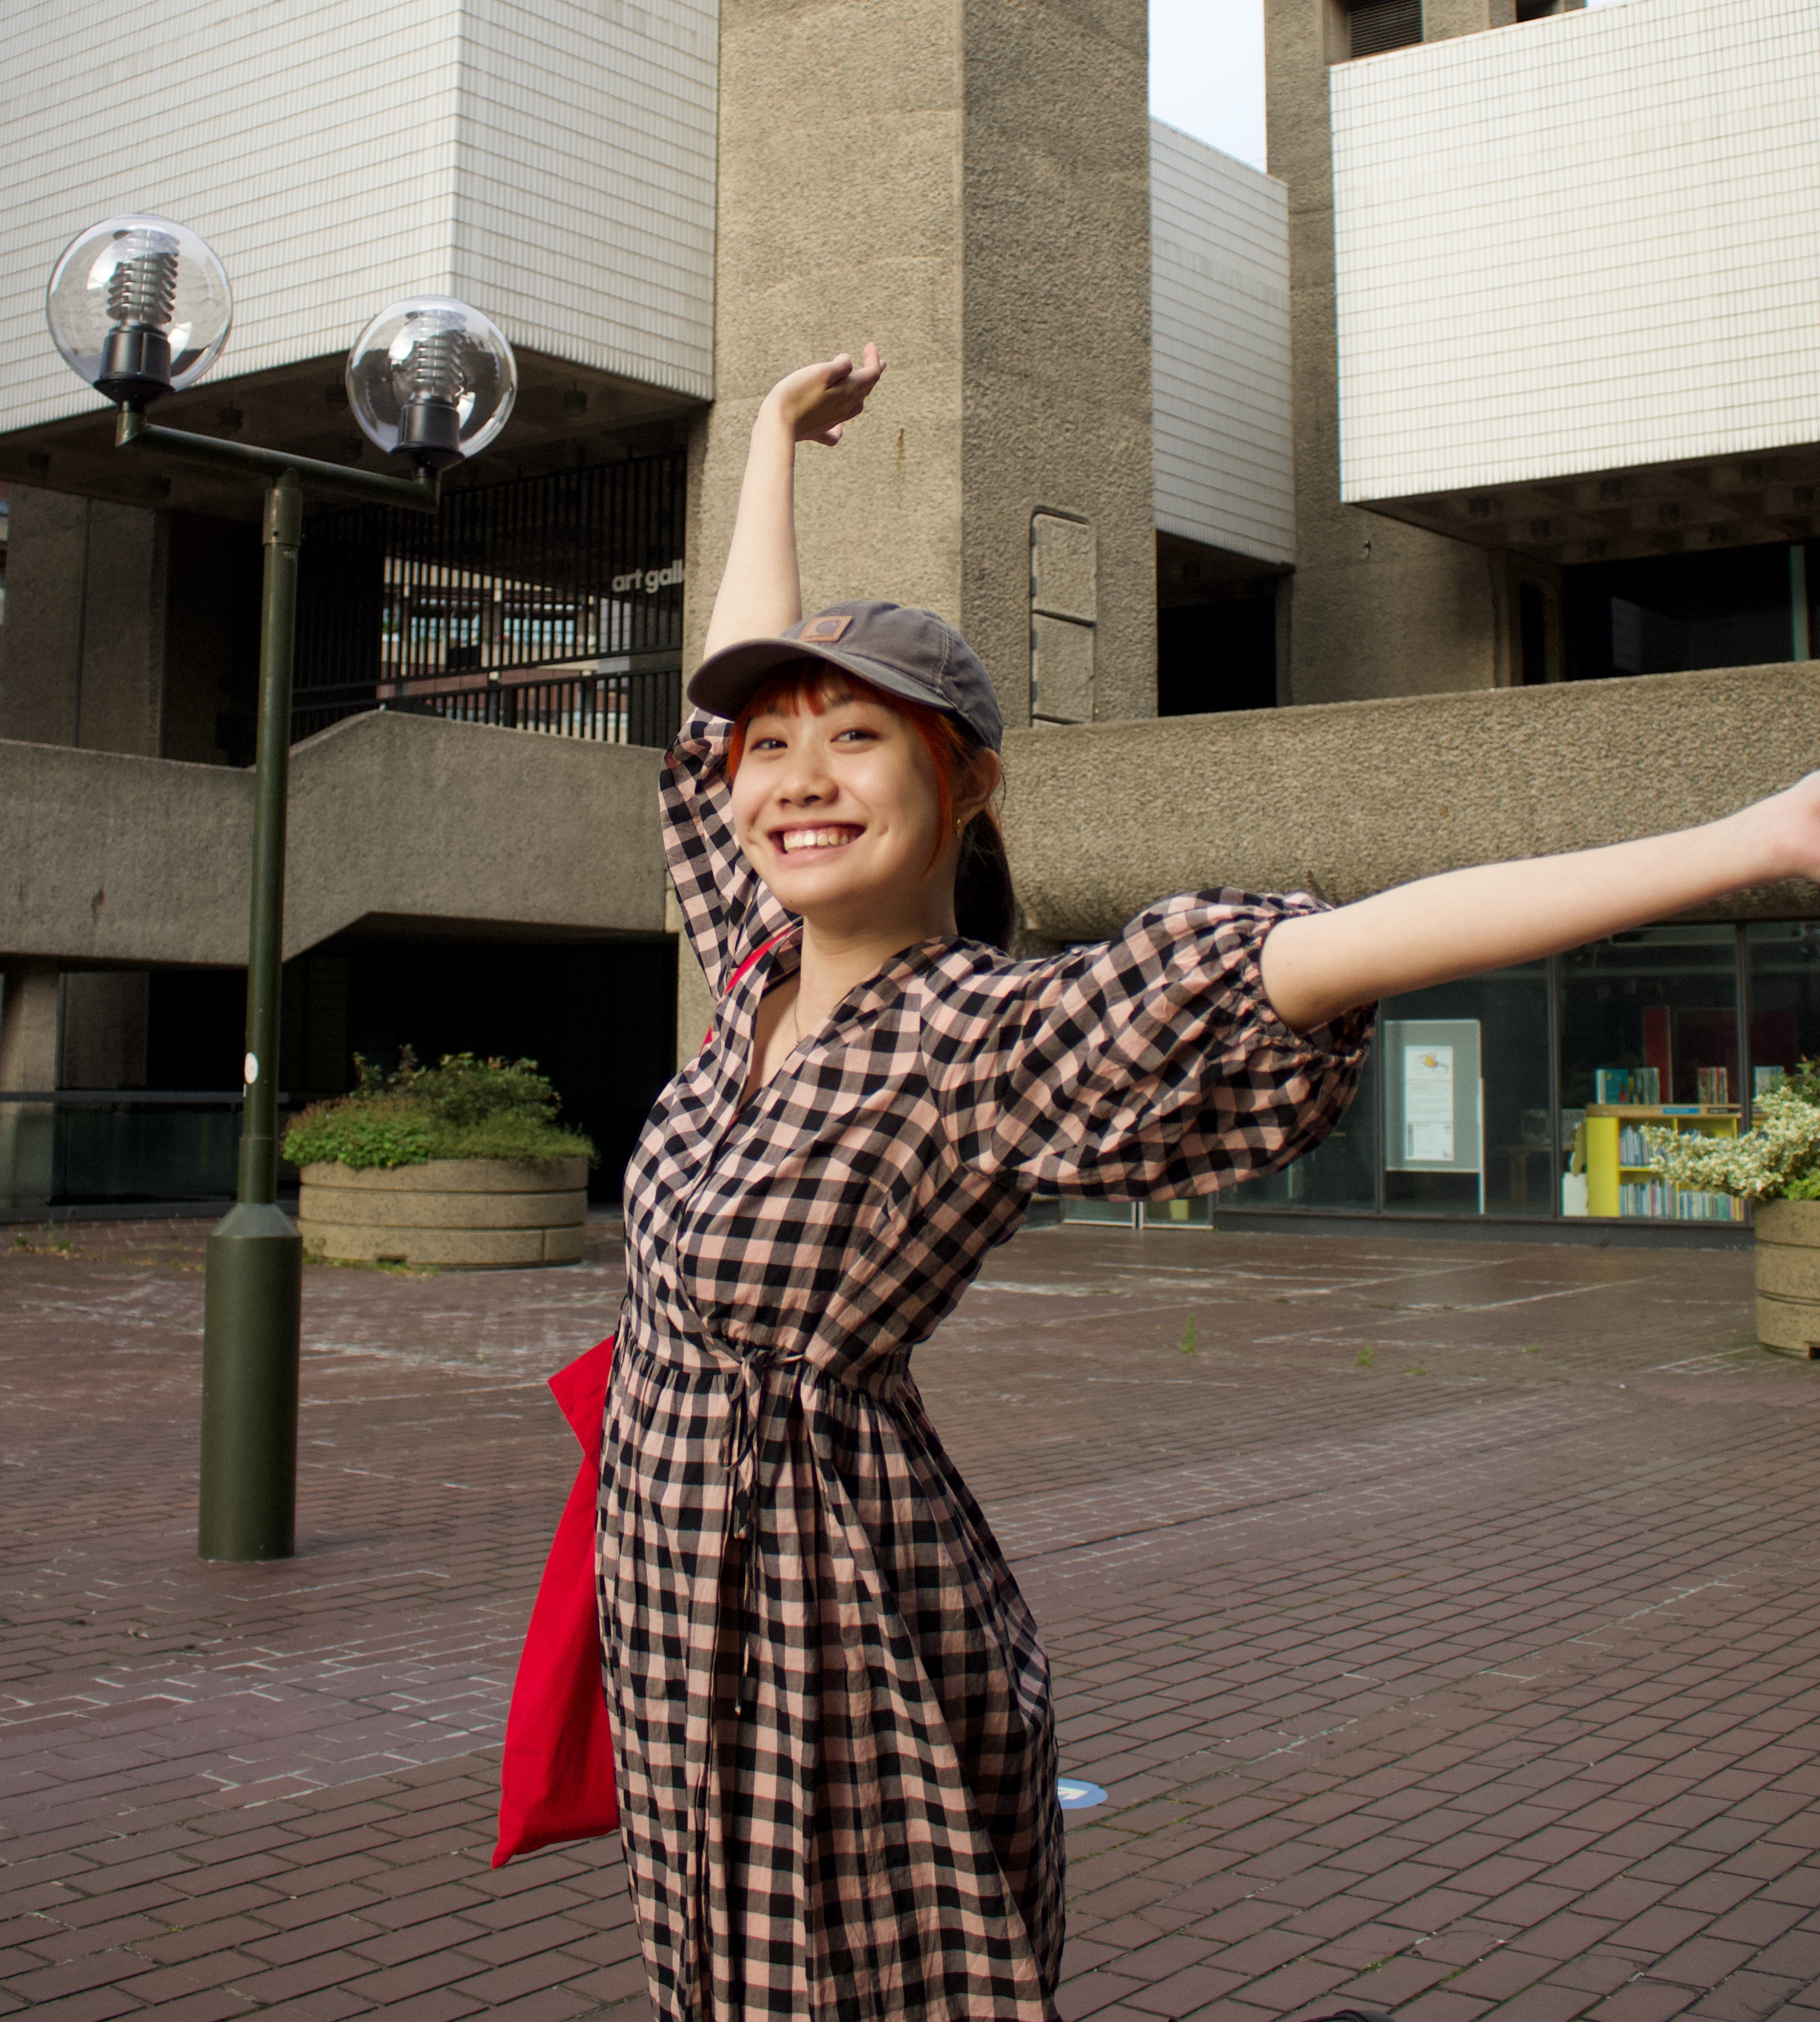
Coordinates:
<point>1317,528</point>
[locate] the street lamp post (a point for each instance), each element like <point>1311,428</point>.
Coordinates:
<point>140,306</point>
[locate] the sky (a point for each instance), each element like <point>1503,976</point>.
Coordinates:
<point>1206,71</point>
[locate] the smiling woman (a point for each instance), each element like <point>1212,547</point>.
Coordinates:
<point>836,1752</point>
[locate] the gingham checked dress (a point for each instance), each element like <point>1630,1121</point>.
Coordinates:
<point>837,1756</point>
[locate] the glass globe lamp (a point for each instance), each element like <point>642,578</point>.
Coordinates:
<point>433,378</point>
<point>138,306</point>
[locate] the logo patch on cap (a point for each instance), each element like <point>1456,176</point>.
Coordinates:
<point>824,631</point>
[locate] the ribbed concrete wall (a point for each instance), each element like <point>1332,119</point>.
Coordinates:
<point>1220,349</point>
<point>554,163</point>
<point>1577,243</point>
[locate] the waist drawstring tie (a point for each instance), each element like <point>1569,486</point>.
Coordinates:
<point>747,1398</point>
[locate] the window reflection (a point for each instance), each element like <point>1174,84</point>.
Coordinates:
<point>1525,1092</point>
<point>1785,996</point>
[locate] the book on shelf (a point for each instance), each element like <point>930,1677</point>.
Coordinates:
<point>1633,1147</point>
<point>1711,1083</point>
<point>1692,1206</point>
<point>1627,1085</point>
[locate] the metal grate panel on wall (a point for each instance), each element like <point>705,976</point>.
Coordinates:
<point>552,604</point>
<point>1378,25</point>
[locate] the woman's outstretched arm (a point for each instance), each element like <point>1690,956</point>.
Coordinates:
<point>761,592</point>
<point>1464,921</point>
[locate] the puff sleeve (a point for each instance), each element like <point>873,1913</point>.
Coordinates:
<point>1148,1067</point>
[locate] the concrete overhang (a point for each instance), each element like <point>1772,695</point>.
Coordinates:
<point>1197,572</point>
<point>1664,508</point>
<point>112,859</point>
<point>566,415</point>
<point>1344,799</point>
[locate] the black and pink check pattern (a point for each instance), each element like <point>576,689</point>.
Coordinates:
<point>836,1750</point>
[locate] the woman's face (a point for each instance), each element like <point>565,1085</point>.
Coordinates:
<point>838,813</point>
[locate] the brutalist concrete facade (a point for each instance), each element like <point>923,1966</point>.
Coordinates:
<point>1095,329</point>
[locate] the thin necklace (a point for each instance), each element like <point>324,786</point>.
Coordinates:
<point>795,1028</point>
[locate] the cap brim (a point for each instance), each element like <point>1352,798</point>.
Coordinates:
<point>726,681</point>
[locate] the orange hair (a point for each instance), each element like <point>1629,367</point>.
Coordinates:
<point>812,685</point>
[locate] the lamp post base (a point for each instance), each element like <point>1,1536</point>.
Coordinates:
<point>250,1332</point>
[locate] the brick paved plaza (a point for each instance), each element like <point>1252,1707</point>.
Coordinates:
<point>1439,1617</point>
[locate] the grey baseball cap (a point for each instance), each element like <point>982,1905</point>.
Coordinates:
<point>906,653</point>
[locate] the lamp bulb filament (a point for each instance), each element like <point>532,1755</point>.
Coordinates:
<point>436,364</point>
<point>143,286</point>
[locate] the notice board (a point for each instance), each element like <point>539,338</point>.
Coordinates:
<point>1434,1098</point>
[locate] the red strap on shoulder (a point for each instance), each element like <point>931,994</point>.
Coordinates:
<point>740,974</point>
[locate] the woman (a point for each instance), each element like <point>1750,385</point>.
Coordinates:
<point>836,1755</point>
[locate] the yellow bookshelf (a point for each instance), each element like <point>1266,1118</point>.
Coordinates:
<point>1606,1121</point>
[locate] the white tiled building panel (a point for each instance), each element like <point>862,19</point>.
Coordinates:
<point>553,163</point>
<point>1582,244</point>
<point>1219,317</point>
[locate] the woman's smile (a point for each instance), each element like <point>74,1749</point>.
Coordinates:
<point>817,840</point>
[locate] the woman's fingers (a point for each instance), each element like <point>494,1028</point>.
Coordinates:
<point>820,399</point>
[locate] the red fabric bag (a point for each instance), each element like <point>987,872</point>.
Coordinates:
<point>555,1779</point>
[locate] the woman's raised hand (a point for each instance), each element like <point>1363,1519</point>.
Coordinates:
<point>761,590</point>
<point>818,401</point>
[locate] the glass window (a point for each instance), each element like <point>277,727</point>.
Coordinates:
<point>1340,1174</point>
<point>1649,1024</point>
<point>1785,996</point>
<point>1466,1097</point>
<point>1659,1004</point>
<point>1118,1213</point>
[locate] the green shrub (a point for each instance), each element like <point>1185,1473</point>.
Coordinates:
<point>461,1108</point>
<point>1778,1160</point>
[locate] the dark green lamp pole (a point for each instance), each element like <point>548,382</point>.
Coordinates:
<point>138,306</point>
<point>253,1288</point>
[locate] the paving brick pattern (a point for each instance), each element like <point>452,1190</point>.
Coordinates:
<point>1440,1618</point>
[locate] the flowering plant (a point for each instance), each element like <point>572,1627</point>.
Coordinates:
<point>1778,1158</point>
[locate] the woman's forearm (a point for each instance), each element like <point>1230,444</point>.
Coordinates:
<point>1465,921</point>
<point>761,590</point>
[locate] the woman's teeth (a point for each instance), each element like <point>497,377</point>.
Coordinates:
<point>816,838</point>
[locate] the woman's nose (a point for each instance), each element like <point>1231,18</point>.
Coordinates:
<point>804,782</point>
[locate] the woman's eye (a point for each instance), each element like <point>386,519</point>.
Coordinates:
<point>857,735</point>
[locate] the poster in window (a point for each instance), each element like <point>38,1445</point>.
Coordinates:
<point>1433,1122</point>
<point>1428,1104</point>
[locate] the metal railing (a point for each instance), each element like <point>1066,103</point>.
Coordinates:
<point>620,703</point>
<point>552,603</point>
<point>79,1146</point>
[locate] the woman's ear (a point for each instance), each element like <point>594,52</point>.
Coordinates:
<point>983,781</point>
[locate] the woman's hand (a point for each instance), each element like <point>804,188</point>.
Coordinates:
<point>816,402</point>
<point>761,590</point>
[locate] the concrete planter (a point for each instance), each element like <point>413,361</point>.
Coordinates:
<point>460,1214</point>
<point>1788,1276</point>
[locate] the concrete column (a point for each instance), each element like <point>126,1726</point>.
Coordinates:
<point>30,1029</point>
<point>85,624</point>
<point>967,181</point>
<point>1377,608</point>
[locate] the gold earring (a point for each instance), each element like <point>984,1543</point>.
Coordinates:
<point>959,828</point>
